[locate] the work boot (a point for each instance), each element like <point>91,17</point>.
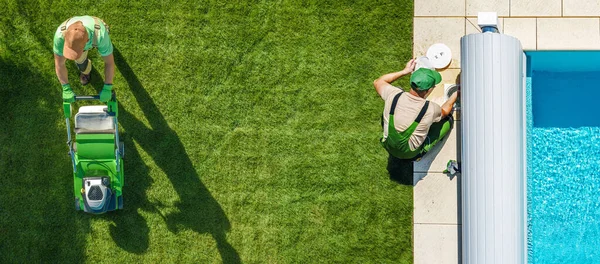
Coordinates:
<point>85,78</point>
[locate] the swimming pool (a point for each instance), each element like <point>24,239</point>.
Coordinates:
<point>563,136</point>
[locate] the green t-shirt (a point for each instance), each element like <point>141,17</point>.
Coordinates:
<point>105,47</point>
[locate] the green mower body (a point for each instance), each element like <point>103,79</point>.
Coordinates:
<point>97,156</point>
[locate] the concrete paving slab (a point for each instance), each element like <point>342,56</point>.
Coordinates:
<point>437,244</point>
<point>502,7</point>
<point>589,8</point>
<point>536,8</point>
<point>440,8</point>
<point>568,33</point>
<point>447,30</point>
<point>524,29</point>
<point>437,199</point>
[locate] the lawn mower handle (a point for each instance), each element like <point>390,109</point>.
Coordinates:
<point>86,97</point>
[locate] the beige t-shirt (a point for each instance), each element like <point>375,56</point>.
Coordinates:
<point>407,109</point>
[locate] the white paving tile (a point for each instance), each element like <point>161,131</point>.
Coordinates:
<point>568,33</point>
<point>431,30</point>
<point>439,7</point>
<point>436,199</point>
<point>581,8</point>
<point>437,244</point>
<point>536,8</point>
<point>501,7</point>
<point>524,29</point>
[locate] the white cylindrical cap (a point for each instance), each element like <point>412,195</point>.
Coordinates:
<point>439,55</point>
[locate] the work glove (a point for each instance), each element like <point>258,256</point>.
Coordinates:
<point>106,93</point>
<point>68,95</point>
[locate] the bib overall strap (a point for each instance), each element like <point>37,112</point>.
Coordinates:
<point>391,114</point>
<point>96,32</point>
<point>422,113</point>
<point>394,102</point>
<point>63,26</point>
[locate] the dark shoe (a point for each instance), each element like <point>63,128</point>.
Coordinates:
<point>85,78</point>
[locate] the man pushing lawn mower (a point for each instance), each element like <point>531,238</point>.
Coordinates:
<point>411,124</point>
<point>96,153</point>
<point>72,40</point>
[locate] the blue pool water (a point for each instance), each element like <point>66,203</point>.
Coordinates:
<point>563,184</point>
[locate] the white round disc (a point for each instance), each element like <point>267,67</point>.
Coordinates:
<point>439,55</point>
<point>423,62</point>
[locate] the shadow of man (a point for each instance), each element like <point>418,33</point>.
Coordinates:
<point>197,209</point>
<point>401,171</point>
<point>130,230</point>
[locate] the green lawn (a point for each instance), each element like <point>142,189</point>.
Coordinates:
<point>251,134</point>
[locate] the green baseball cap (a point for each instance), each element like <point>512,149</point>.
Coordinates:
<point>424,79</point>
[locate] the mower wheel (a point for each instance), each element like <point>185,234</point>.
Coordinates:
<point>77,204</point>
<point>122,148</point>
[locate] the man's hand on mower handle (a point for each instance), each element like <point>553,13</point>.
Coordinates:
<point>68,95</point>
<point>106,93</point>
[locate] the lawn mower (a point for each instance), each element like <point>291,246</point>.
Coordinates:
<point>97,156</point>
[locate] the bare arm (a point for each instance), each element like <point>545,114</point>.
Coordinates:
<point>109,68</point>
<point>387,79</point>
<point>447,106</point>
<point>61,69</point>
